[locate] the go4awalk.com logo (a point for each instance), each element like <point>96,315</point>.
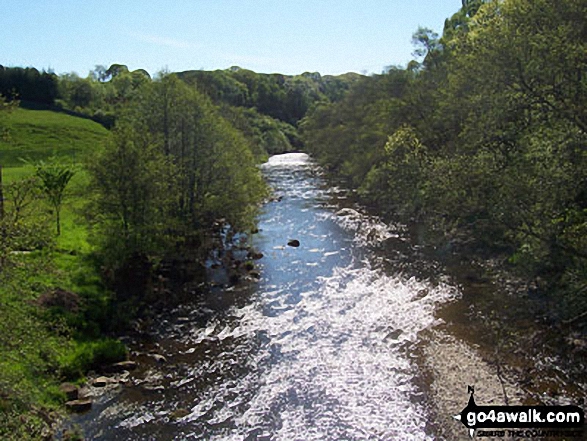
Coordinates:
<point>521,421</point>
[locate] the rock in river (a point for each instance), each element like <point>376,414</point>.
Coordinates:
<point>121,367</point>
<point>71,391</point>
<point>81,405</point>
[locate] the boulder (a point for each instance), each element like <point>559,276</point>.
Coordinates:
<point>159,358</point>
<point>121,367</point>
<point>71,391</point>
<point>179,413</point>
<point>79,406</point>
<point>293,243</point>
<point>254,255</point>
<point>102,381</point>
<point>394,335</point>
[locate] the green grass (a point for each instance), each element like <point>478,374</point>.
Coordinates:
<point>36,135</point>
<point>40,346</point>
<point>74,228</point>
<point>40,134</point>
<point>10,174</point>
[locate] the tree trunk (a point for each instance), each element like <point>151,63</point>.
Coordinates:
<point>57,212</point>
<point>1,196</point>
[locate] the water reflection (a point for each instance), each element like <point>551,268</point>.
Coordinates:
<point>318,350</point>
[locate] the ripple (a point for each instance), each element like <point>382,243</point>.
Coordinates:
<point>320,350</point>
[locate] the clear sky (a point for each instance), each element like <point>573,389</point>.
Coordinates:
<point>285,36</point>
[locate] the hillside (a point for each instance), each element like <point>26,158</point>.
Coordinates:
<point>39,134</point>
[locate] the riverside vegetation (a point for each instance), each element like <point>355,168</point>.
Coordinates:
<point>482,139</point>
<point>108,180</point>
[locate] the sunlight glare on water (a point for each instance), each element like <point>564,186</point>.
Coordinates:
<point>335,359</point>
<point>321,348</point>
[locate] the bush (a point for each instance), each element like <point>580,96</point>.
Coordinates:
<point>91,355</point>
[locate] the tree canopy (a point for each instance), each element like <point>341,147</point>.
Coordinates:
<point>484,134</point>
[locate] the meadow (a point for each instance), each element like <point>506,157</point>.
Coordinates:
<point>52,300</point>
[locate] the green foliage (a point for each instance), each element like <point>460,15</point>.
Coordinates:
<point>103,94</point>
<point>51,293</point>
<point>173,168</point>
<point>28,84</point>
<point>30,349</point>
<point>485,137</point>
<point>266,135</point>
<point>396,184</point>
<point>131,179</point>
<point>91,355</point>
<point>53,179</point>
<point>282,97</point>
<point>349,135</point>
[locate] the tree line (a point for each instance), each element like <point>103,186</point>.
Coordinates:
<point>171,169</point>
<point>482,138</point>
<point>266,107</point>
<point>29,84</point>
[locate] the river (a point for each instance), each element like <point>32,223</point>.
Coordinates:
<point>326,345</point>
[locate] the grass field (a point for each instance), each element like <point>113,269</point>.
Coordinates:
<point>35,349</point>
<point>36,135</point>
<point>40,134</point>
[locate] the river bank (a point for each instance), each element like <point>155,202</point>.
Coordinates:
<point>352,333</point>
<point>499,334</point>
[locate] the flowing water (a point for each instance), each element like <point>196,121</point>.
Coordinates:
<point>322,347</point>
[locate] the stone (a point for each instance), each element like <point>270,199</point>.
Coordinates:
<point>253,255</point>
<point>159,358</point>
<point>293,243</point>
<point>121,367</point>
<point>71,391</point>
<point>394,335</point>
<point>79,406</point>
<point>179,413</point>
<point>102,381</point>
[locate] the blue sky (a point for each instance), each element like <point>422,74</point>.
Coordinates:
<point>289,37</point>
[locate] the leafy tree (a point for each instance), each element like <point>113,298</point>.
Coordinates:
<point>427,45</point>
<point>396,183</point>
<point>28,84</point>
<point>499,103</point>
<point>173,167</point>
<point>54,178</point>
<point>130,179</point>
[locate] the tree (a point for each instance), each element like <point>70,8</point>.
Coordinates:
<point>173,167</point>
<point>131,181</point>
<point>54,178</point>
<point>210,155</point>
<point>427,46</point>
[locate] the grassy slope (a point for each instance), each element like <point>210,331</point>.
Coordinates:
<point>39,134</point>
<point>33,348</point>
